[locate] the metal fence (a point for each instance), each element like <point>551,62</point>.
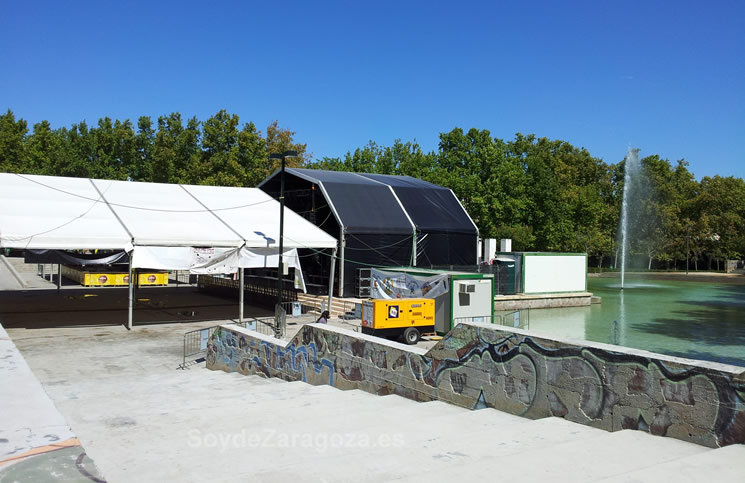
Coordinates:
<point>296,309</point>
<point>519,319</point>
<point>195,341</point>
<point>182,277</point>
<point>46,270</point>
<point>507,278</point>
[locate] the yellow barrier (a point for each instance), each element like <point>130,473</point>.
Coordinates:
<point>112,279</point>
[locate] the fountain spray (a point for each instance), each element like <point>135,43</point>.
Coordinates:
<point>631,170</point>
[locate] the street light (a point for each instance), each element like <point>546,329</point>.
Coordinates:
<point>280,264</point>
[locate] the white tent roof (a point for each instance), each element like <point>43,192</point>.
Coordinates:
<point>46,212</point>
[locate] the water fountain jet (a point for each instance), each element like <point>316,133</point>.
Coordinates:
<point>631,171</point>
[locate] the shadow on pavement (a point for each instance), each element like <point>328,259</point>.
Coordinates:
<point>105,306</point>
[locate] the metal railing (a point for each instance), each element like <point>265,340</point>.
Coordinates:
<point>46,270</point>
<point>195,341</point>
<point>296,309</point>
<point>471,320</point>
<point>507,279</point>
<point>182,277</point>
<point>519,319</point>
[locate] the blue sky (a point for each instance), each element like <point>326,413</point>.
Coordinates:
<point>667,77</point>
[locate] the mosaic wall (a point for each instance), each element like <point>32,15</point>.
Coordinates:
<point>478,366</point>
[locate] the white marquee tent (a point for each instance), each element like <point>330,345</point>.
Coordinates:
<point>204,229</point>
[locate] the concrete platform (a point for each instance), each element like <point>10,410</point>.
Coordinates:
<point>541,301</point>
<point>140,419</point>
<point>36,442</point>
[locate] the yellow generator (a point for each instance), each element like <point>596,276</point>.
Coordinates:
<point>394,318</point>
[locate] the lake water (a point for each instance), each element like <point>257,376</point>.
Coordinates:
<point>697,320</point>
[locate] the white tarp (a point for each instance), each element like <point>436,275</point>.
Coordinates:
<point>61,213</point>
<point>207,261</point>
<point>397,285</point>
<point>169,226</point>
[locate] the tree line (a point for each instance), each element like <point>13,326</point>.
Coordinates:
<point>546,195</point>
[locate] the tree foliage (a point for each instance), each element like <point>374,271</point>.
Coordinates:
<point>544,194</point>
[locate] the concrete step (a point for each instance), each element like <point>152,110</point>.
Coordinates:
<point>25,274</point>
<point>272,430</point>
<point>8,279</point>
<point>339,306</point>
<point>22,267</point>
<point>594,456</point>
<point>439,449</point>
<point>727,462</point>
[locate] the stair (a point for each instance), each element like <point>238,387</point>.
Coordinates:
<point>340,307</point>
<point>26,274</point>
<point>21,266</point>
<point>197,425</point>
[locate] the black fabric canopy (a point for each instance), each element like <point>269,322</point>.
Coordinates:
<point>383,220</point>
<point>432,208</point>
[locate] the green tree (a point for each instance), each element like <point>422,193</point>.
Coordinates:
<point>251,155</point>
<point>279,140</point>
<point>42,149</point>
<point>12,146</point>
<point>170,161</point>
<point>125,149</point>
<point>219,137</point>
<point>721,203</point>
<point>474,166</point>
<point>408,159</point>
<point>142,169</point>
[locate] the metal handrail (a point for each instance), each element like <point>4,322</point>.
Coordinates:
<point>518,319</point>
<point>195,341</point>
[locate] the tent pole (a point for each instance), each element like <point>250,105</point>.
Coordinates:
<point>413,251</point>
<point>131,292</point>
<point>240,296</point>
<point>331,278</point>
<point>341,263</point>
<point>59,276</point>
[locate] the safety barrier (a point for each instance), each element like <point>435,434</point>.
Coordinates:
<point>195,341</point>
<point>519,319</point>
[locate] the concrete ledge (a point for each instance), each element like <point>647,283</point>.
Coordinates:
<point>13,271</point>
<point>33,434</point>
<point>516,371</point>
<point>542,301</point>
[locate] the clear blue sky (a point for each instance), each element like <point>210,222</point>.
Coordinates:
<point>667,77</point>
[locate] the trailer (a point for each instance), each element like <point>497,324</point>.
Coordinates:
<point>398,318</point>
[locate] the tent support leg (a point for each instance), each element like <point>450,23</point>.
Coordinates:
<point>131,293</point>
<point>413,251</point>
<point>341,263</point>
<point>331,278</point>
<point>241,289</point>
<point>59,276</point>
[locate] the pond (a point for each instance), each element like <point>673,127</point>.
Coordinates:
<point>693,319</point>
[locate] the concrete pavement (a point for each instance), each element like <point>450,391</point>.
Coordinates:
<point>36,442</point>
<point>140,419</point>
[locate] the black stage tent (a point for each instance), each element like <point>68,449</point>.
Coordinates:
<point>380,220</point>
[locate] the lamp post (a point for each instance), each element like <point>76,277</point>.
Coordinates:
<point>280,264</point>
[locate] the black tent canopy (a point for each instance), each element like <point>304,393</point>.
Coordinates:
<point>380,220</point>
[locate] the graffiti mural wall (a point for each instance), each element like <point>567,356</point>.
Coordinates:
<point>479,366</point>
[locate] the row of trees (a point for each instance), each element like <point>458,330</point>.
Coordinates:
<point>544,194</point>
<point>217,151</point>
<point>549,195</point>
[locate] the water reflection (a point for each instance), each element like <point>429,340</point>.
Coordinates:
<point>688,319</point>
